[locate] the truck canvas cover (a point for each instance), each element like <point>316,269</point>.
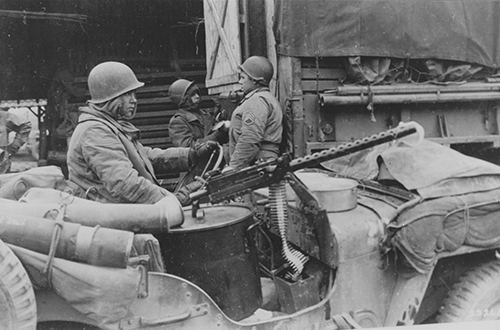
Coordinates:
<point>460,30</point>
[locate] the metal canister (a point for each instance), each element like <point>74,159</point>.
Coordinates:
<point>217,253</point>
<point>337,194</point>
<point>333,194</point>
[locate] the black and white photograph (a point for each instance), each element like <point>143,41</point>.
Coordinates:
<point>249,164</point>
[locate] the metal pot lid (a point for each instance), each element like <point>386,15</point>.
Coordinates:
<point>214,217</point>
<point>322,182</point>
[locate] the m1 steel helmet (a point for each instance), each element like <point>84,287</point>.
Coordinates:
<point>109,80</point>
<point>258,68</point>
<point>179,89</point>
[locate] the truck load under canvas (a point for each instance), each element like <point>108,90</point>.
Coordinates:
<point>451,30</point>
<point>456,201</point>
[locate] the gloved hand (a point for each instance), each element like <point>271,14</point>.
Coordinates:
<point>227,169</point>
<point>220,132</point>
<point>5,161</point>
<point>202,151</point>
<point>183,193</point>
<point>220,113</point>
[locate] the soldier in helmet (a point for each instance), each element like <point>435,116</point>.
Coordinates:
<point>10,122</point>
<point>256,124</point>
<point>105,158</point>
<point>190,124</point>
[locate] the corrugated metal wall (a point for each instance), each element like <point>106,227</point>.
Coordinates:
<point>149,35</point>
<point>161,40</point>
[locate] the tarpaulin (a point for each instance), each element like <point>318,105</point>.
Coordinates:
<point>445,224</point>
<point>428,168</point>
<point>461,30</point>
<point>434,170</point>
<point>102,294</point>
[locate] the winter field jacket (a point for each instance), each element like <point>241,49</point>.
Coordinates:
<point>256,128</point>
<point>112,166</point>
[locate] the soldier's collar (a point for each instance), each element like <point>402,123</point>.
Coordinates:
<point>252,92</point>
<point>190,116</point>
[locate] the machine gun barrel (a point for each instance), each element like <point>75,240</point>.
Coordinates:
<point>238,182</point>
<point>357,145</point>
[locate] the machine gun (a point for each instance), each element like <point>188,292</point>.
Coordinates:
<point>274,174</point>
<point>233,183</point>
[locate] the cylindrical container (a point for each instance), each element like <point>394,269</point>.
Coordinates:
<point>95,246</point>
<point>14,189</point>
<point>333,194</point>
<point>217,253</point>
<point>13,185</point>
<point>139,218</point>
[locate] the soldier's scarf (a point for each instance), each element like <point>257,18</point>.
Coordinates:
<point>109,111</point>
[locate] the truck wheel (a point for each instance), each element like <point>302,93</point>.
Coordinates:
<point>475,297</point>
<point>17,299</point>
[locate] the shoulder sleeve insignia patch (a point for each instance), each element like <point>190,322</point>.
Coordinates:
<point>249,119</point>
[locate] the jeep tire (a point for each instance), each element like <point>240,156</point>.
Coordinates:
<point>17,299</point>
<point>475,297</point>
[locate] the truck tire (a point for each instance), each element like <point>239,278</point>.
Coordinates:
<point>17,298</point>
<point>475,297</point>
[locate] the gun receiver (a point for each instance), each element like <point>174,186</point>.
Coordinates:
<point>235,183</point>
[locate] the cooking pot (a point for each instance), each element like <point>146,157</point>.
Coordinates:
<point>333,194</point>
<point>217,253</point>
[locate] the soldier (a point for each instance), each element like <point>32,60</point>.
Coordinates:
<point>10,122</point>
<point>256,124</point>
<point>105,158</point>
<point>190,124</point>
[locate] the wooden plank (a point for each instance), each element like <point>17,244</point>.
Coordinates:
<point>497,119</point>
<point>152,89</point>
<point>271,43</point>
<point>154,100</point>
<point>170,74</point>
<point>160,88</point>
<point>223,89</point>
<point>164,99</point>
<point>149,89</point>
<point>154,114</point>
<point>213,55</point>
<point>156,140</point>
<point>291,97</point>
<point>156,134</point>
<point>152,128</point>
<point>155,75</point>
<point>324,73</point>
<point>225,65</point>
<point>233,61</point>
<point>222,80</point>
